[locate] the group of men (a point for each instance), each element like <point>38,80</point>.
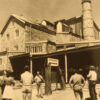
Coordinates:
<point>27,80</point>
<point>77,83</point>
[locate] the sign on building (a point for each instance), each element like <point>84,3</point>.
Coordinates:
<point>53,62</point>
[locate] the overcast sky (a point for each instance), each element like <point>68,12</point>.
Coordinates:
<point>51,10</point>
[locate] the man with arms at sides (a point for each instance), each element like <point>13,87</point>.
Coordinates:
<point>92,78</point>
<point>38,80</point>
<point>27,80</point>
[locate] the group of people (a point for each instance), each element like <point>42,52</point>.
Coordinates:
<point>27,80</point>
<point>77,82</point>
<point>7,82</point>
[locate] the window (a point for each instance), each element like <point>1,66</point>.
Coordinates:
<point>40,48</point>
<point>28,49</point>
<point>0,61</point>
<point>65,29</point>
<point>34,48</point>
<point>8,36</point>
<point>37,49</point>
<point>17,32</point>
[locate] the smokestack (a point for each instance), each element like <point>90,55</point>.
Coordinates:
<point>88,27</point>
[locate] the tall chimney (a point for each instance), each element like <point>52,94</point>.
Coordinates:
<point>88,30</point>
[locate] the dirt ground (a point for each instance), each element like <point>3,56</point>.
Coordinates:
<point>56,94</point>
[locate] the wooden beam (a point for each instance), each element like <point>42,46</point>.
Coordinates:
<point>66,69</point>
<point>31,64</point>
<point>81,42</point>
<point>48,79</point>
<point>61,77</point>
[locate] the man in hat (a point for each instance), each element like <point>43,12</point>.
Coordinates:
<point>27,79</point>
<point>77,82</point>
<point>92,78</point>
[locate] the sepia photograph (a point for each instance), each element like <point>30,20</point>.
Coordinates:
<point>49,50</point>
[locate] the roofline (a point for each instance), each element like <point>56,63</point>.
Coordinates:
<point>7,22</point>
<point>44,41</point>
<point>40,27</point>
<point>57,53</point>
<point>81,42</point>
<point>3,52</point>
<point>74,18</point>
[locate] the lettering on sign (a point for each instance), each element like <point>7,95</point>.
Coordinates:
<point>53,62</point>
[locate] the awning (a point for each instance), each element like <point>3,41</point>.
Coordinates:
<point>60,52</point>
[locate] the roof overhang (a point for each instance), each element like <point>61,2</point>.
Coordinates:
<point>58,53</point>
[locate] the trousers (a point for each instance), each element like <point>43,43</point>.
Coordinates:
<point>92,90</point>
<point>78,94</point>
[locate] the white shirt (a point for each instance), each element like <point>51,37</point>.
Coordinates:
<point>92,75</point>
<point>76,79</point>
<point>27,78</point>
<point>38,78</point>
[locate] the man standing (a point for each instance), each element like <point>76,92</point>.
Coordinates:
<point>92,78</point>
<point>76,82</point>
<point>39,79</point>
<point>27,79</point>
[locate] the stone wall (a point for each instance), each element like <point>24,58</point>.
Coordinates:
<point>39,35</point>
<point>13,38</point>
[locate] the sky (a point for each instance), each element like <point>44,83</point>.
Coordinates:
<point>51,10</point>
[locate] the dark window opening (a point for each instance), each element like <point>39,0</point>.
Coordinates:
<point>8,36</point>
<point>17,32</point>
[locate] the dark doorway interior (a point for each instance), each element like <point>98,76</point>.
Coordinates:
<point>18,66</point>
<point>39,65</point>
<point>82,60</point>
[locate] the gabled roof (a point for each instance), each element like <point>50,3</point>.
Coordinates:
<point>21,19</point>
<point>24,21</point>
<point>73,20</point>
<point>70,21</point>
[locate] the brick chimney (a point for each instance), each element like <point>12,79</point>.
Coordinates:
<point>88,27</point>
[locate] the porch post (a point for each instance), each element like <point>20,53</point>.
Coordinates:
<point>48,90</point>
<point>66,69</point>
<point>31,64</point>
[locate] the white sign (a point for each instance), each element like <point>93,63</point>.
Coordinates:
<point>53,62</point>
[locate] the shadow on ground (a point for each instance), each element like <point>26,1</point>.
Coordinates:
<point>88,98</point>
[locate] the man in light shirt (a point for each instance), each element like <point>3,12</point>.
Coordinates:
<point>77,82</point>
<point>27,79</point>
<point>39,79</point>
<point>92,78</point>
